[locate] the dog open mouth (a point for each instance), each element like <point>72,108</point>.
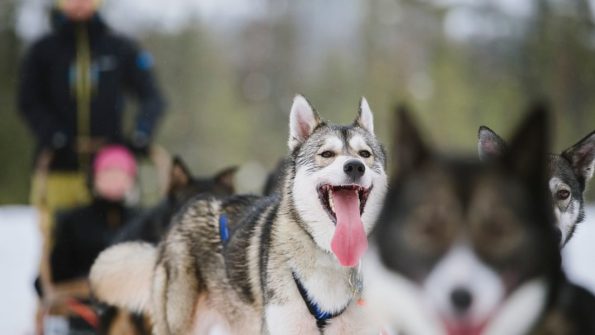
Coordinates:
<point>326,194</point>
<point>345,205</point>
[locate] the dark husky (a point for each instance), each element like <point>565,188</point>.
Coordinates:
<point>284,264</point>
<point>469,248</point>
<point>569,173</point>
<point>152,225</point>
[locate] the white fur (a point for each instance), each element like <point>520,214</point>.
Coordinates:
<point>567,219</point>
<point>394,302</point>
<point>207,321</point>
<point>404,306</point>
<point>358,143</point>
<point>328,285</point>
<point>333,144</point>
<point>287,319</point>
<point>460,268</point>
<point>302,121</point>
<point>588,170</point>
<point>354,320</point>
<point>566,211</point>
<point>366,118</point>
<point>122,274</point>
<point>331,293</point>
<point>521,310</point>
<point>311,210</point>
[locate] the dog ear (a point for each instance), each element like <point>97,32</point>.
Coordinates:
<point>527,153</point>
<point>365,118</point>
<point>409,149</point>
<point>303,119</point>
<point>226,178</point>
<point>179,175</point>
<point>582,158</point>
<point>489,144</point>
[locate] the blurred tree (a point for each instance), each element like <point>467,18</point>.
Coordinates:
<point>230,86</point>
<point>15,141</point>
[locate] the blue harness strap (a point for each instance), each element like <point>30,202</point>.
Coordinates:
<point>321,316</point>
<point>223,229</point>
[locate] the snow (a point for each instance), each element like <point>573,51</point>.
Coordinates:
<point>579,254</point>
<point>19,253</point>
<point>20,248</point>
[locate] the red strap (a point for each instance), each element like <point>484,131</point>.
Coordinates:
<point>83,311</point>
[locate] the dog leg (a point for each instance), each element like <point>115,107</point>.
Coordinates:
<point>181,295</point>
<point>158,289</point>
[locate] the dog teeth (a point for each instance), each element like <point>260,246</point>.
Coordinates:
<point>330,200</point>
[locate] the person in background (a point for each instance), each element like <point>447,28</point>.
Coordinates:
<point>72,88</point>
<point>82,233</point>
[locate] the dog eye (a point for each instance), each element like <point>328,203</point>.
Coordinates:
<point>562,194</point>
<point>365,153</point>
<point>327,154</point>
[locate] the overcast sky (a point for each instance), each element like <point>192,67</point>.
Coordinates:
<point>137,16</point>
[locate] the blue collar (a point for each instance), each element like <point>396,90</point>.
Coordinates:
<point>321,316</point>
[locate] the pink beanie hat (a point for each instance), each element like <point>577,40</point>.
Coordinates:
<point>115,156</point>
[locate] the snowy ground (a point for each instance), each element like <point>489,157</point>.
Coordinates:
<point>19,252</point>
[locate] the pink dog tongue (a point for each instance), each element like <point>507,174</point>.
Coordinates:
<point>349,241</point>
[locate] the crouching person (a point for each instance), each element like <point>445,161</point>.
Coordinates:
<point>80,235</point>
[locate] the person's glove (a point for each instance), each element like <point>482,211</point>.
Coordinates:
<point>139,144</point>
<point>58,140</point>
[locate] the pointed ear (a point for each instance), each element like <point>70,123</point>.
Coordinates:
<point>302,121</point>
<point>226,177</point>
<point>489,144</point>
<point>409,149</point>
<point>582,157</point>
<point>179,175</point>
<point>527,154</point>
<point>365,119</point>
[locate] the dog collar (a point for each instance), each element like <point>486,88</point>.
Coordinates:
<point>321,316</point>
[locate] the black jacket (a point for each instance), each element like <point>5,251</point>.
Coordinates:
<point>50,84</point>
<point>82,233</point>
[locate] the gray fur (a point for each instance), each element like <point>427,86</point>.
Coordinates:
<point>492,213</point>
<point>573,167</point>
<point>232,282</point>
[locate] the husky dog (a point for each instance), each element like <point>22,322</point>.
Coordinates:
<point>152,225</point>
<point>465,247</point>
<point>284,264</point>
<point>569,173</point>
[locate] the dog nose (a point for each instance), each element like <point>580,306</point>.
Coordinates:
<point>354,169</point>
<point>461,299</point>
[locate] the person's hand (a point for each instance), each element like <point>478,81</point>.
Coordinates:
<point>139,144</point>
<point>52,298</point>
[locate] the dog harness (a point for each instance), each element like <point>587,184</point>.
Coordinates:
<point>321,316</point>
<point>223,229</point>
